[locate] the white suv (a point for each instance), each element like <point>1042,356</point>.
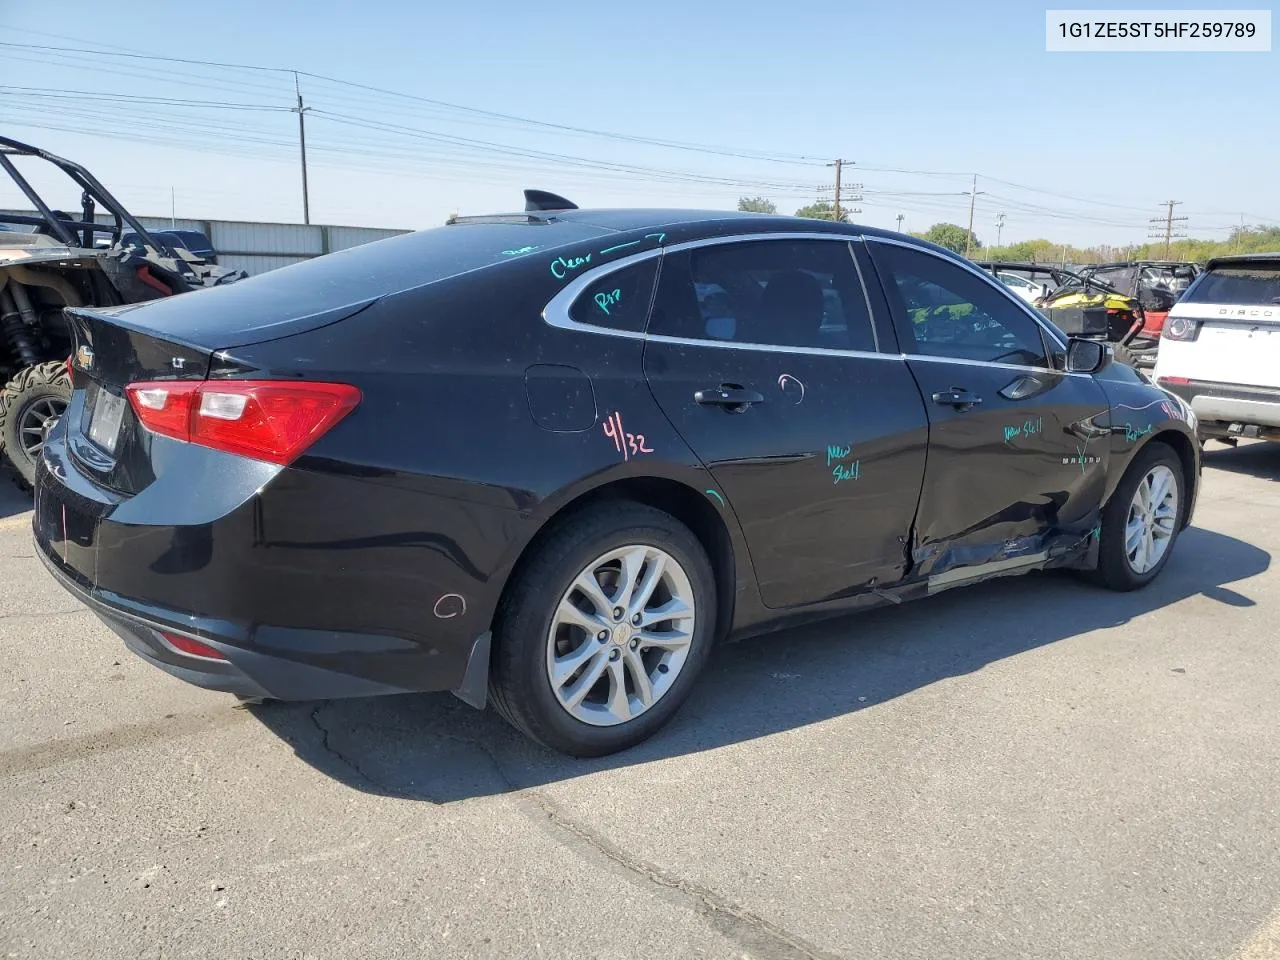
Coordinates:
<point>1220,349</point>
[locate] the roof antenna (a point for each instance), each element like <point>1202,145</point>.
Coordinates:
<point>542,200</point>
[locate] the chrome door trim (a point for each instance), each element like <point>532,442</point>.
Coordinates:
<point>556,311</point>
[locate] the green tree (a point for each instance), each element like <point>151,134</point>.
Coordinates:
<point>822,211</point>
<point>756,205</point>
<point>952,237</point>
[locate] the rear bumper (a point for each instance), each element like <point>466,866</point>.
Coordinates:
<point>146,639</point>
<point>295,619</point>
<point>1231,410</point>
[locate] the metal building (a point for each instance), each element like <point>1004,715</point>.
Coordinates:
<point>257,247</point>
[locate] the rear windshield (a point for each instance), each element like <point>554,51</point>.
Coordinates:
<point>1251,285</point>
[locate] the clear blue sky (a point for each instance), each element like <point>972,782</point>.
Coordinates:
<point>949,88</point>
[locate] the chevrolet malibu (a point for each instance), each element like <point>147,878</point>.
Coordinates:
<point>545,460</point>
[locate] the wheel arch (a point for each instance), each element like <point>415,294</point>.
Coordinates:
<point>1185,449</point>
<point>671,496</point>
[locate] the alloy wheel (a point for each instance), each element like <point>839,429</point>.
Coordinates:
<point>31,425</point>
<point>620,635</point>
<point>1152,519</point>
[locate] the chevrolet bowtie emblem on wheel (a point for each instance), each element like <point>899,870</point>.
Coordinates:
<point>84,358</point>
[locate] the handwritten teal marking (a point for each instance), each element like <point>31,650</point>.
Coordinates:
<point>850,472</point>
<point>621,246</point>
<point>1096,532</point>
<point>1080,458</point>
<point>634,243</point>
<point>573,263</point>
<point>713,493</point>
<point>606,299</point>
<point>842,471</point>
<point>516,253</point>
<point>1028,427</point>
<point>1132,433</point>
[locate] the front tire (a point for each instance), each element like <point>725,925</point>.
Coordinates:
<point>602,636</point>
<point>1142,520</point>
<point>37,394</point>
<point>1123,355</point>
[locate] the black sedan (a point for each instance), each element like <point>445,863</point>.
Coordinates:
<point>546,459</point>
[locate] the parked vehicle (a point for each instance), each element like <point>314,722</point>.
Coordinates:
<point>545,459</point>
<point>1156,284</point>
<point>193,241</point>
<point>1028,290</point>
<point>1082,307</point>
<point>49,261</point>
<point>1221,348</point>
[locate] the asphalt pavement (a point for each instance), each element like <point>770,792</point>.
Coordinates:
<point>1030,768</point>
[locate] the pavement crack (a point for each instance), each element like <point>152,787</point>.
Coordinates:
<point>326,743</point>
<point>761,937</point>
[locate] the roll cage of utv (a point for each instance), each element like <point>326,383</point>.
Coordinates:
<point>49,260</point>
<point>1081,305</point>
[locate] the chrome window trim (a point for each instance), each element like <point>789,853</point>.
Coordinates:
<point>987,278</point>
<point>556,311</point>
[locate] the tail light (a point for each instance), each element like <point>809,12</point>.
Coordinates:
<point>1180,328</point>
<point>271,420</point>
<point>190,645</point>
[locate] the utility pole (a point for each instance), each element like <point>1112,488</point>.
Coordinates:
<point>999,227</point>
<point>1168,220</point>
<point>973,196</point>
<point>173,209</point>
<point>900,218</point>
<point>839,166</point>
<point>840,196</point>
<point>302,145</point>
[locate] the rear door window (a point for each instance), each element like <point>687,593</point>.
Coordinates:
<point>1251,285</point>
<point>785,293</point>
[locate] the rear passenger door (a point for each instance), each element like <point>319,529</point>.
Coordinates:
<point>1017,447</point>
<point>763,355</point>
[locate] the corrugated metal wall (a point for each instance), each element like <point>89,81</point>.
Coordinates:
<point>257,247</point>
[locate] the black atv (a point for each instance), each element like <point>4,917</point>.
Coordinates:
<point>50,260</point>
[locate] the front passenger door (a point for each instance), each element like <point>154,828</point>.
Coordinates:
<point>1017,447</point>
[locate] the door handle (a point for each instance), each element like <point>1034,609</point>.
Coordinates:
<point>956,397</point>
<point>732,397</point>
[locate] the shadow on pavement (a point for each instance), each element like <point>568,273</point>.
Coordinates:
<point>432,747</point>
<point>1260,459</point>
<point>12,500</point>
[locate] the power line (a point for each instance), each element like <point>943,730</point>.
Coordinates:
<point>628,138</point>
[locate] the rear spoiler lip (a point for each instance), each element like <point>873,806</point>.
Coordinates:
<point>277,330</point>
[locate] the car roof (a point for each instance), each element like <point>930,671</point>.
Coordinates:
<point>645,218</point>
<point>1242,258</point>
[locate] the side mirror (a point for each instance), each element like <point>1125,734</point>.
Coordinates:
<point>1086,356</point>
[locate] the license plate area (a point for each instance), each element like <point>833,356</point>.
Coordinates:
<point>105,417</point>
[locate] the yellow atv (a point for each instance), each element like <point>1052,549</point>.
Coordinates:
<point>1081,307</point>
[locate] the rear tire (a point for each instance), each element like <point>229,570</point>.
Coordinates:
<point>37,394</point>
<point>1123,522</point>
<point>554,679</point>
